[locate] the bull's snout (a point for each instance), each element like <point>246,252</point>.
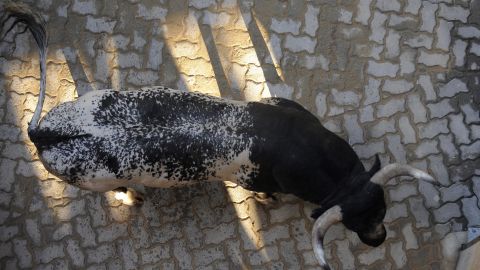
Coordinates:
<point>375,236</point>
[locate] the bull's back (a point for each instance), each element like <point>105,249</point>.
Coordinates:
<point>159,137</point>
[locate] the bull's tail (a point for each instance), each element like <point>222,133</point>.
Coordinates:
<point>21,13</point>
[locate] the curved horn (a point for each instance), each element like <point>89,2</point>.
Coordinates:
<point>393,170</point>
<point>320,227</point>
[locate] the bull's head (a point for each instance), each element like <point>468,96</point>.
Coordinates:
<point>364,210</point>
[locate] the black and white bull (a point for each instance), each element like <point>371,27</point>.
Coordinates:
<point>159,137</point>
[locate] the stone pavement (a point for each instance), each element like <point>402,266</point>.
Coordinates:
<point>395,77</point>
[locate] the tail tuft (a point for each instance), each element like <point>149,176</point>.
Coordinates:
<point>22,13</point>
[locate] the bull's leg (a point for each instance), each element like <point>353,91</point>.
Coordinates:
<point>264,198</point>
<point>129,196</point>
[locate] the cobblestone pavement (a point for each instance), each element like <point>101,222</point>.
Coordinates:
<point>395,77</point>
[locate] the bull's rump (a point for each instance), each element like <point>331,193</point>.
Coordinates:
<point>158,137</point>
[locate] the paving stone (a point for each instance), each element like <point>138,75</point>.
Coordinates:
<point>291,258</point>
<point>443,35</point>
<point>311,20</point>
<point>398,254</point>
<point>371,256</point>
<point>206,256</point>
<point>368,50</point>
<point>84,7</point>
<point>301,235</point>
<point>459,51</point>
<point>402,23</point>
<point>112,232</point>
<point>390,108</point>
<point>83,228</point>
<point>392,43</point>
<point>419,212</point>
<point>7,174</point>
<point>345,98</point>
<point>458,128</point>
<point>419,41</point>
<point>470,151</point>
<point>469,32</point>
<point>71,210</point>
<point>440,109</point>
<point>343,252</point>
<point>265,255</point>
<point>141,78</point>
<point>33,231</point>
<point>369,150</point>
<point>22,253</point>
<point>428,16</point>
<point>151,12</point>
<point>64,230</point>
<point>407,62</point>
<point>448,147</point>
<point>410,238</point>
<point>99,25</point>
<point>471,115</point>
<point>475,131</point>
<point>157,253</point>
<point>403,191</point>
<point>288,26</point>
<point>5,249</point>
<point>275,233</point>
<point>7,232</point>
<point>426,83</point>
<point>446,212</point>
<point>433,59</point>
<point>397,86</point>
<point>49,253</point>
<point>417,109</point>
<point>470,211</point>
<point>381,128</point>
<point>219,233</point>
<point>366,114</point>
<point>354,130</point>
<point>372,91</point>
<point>453,13</point>
<point>408,133</point>
<point>413,6</point>
<point>475,49</point>
<point>425,148</point>
<point>455,192</point>
<point>101,253</point>
<point>363,11</point>
<point>433,128</point>
<point>298,44</point>
<point>395,211</point>
<point>284,213</point>
<point>377,27</point>
<point>452,88</point>
<point>439,171</point>
<point>386,5</point>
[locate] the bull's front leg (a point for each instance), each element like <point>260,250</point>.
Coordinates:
<point>129,196</point>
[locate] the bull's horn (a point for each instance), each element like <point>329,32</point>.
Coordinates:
<point>393,170</point>
<point>320,227</point>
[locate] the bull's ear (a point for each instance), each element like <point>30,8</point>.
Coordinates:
<point>376,166</point>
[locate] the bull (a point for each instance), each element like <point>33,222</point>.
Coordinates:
<point>160,137</point>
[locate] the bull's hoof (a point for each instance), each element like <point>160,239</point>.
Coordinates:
<point>265,198</point>
<point>129,196</point>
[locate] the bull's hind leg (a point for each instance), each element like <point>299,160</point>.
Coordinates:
<point>129,196</point>
<point>264,198</point>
